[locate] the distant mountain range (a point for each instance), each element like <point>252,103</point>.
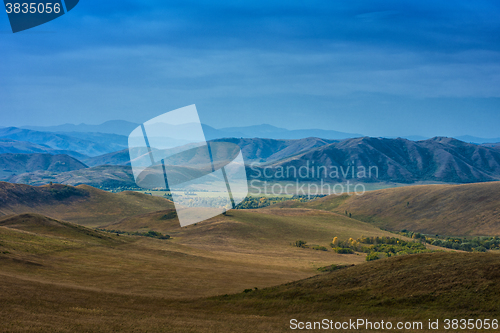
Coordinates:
<point>98,154</point>
<point>390,160</point>
<point>399,160</point>
<point>120,127</point>
<point>124,128</point>
<point>91,144</point>
<point>24,147</point>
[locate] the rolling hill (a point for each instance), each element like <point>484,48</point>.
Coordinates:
<point>221,255</point>
<point>121,157</point>
<point>57,274</point>
<point>83,204</point>
<point>400,289</point>
<point>454,210</point>
<point>42,225</point>
<point>416,287</point>
<point>11,164</point>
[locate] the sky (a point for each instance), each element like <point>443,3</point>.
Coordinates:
<point>379,68</point>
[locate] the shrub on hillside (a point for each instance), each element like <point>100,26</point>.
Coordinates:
<point>300,243</point>
<point>343,250</point>
<point>372,256</point>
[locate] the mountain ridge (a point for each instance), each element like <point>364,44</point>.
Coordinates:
<point>11,164</point>
<point>400,160</point>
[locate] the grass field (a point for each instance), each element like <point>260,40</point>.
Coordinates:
<point>57,276</point>
<point>83,204</point>
<point>454,210</point>
<point>411,288</point>
<point>226,254</point>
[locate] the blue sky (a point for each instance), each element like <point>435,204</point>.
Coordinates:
<point>380,68</point>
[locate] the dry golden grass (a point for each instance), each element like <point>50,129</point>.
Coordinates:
<point>86,206</point>
<point>457,210</point>
<point>60,277</point>
<point>226,254</point>
<point>409,288</point>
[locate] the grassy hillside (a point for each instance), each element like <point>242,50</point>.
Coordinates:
<point>42,225</point>
<point>222,255</point>
<point>411,288</point>
<point>83,204</point>
<point>60,276</point>
<point>417,287</point>
<point>267,229</point>
<point>459,210</point>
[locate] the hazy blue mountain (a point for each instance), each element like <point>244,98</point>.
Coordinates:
<point>395,160</point>
<point>492,145</point>
<point>254,150</point>
<point>476,140</point>
<point>120,127</point>
<point>58,141</point>
<point>121,157</point>
<point>12,164</point>
<point>124,128</point>
<point>399,160</point>
<point>272,132</point>
<point>104,175</point>
<point>24,147</point>
<point>113,142</point>
<point>266,150</point>
<point>410,137</point>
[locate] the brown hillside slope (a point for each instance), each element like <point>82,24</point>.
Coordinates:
<point>82,204</point>
<point>42,225</point>
<point>226,254</point>
<point>459,210</point>
<point>408,288</point>
<point>422,286</point>
<point>246,230</point>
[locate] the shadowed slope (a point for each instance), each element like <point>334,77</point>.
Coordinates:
<point>417,286</point>
<point>42,225</point>
<point>82,204</point>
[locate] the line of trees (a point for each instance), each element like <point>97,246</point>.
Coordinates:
<point>150,233</point>
<point>475,244</point>
<point>251,202</point>
<point>378,247</point>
